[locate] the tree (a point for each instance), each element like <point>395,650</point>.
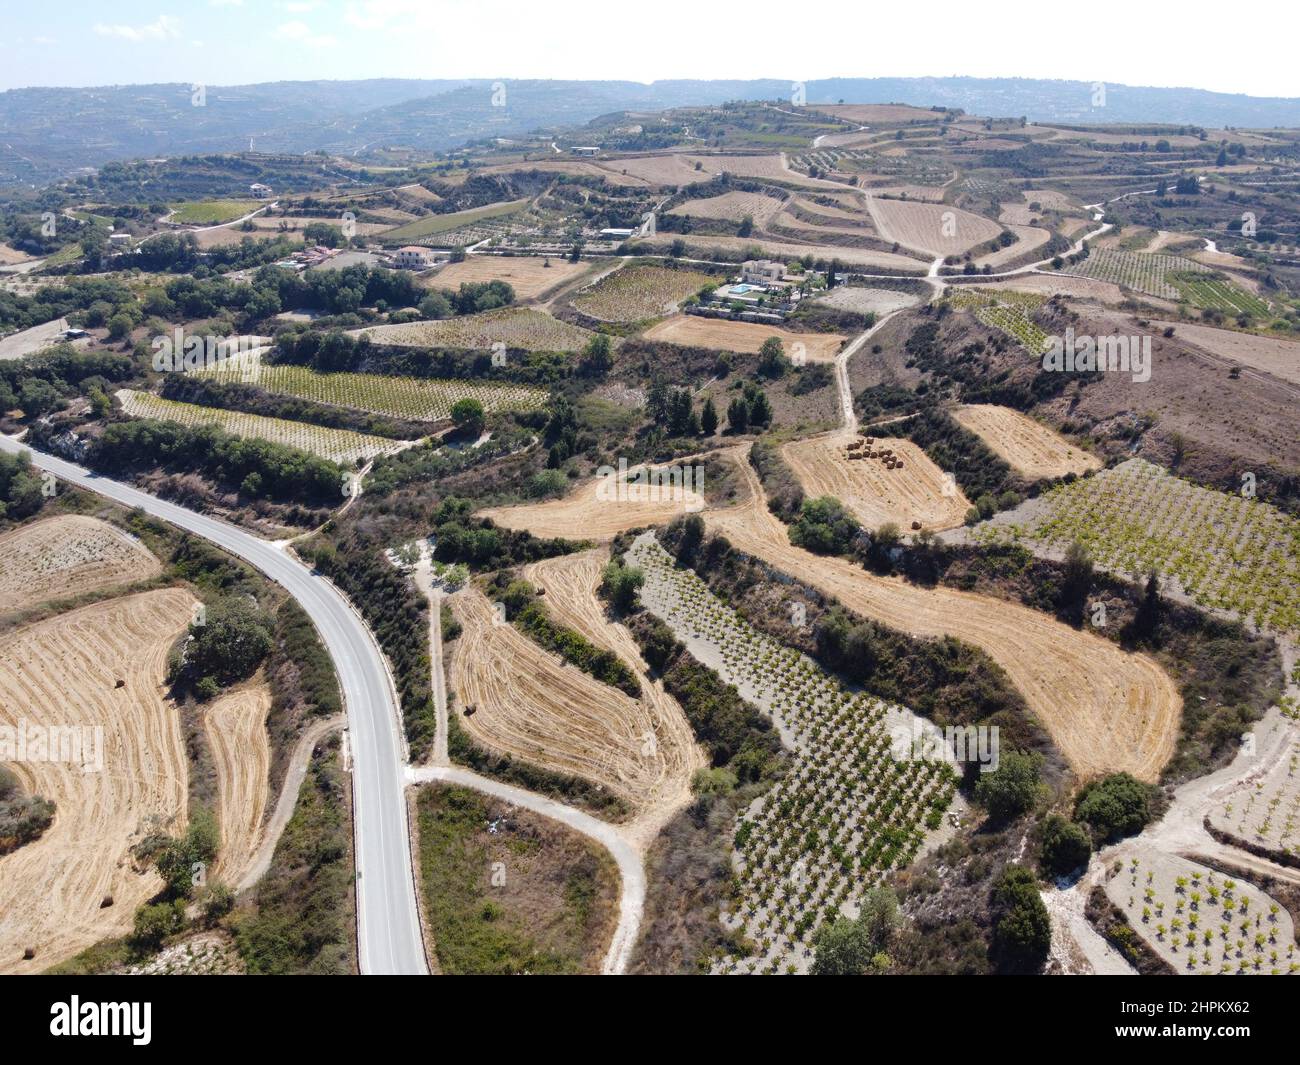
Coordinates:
<point>597,359</point>
<point>771,358</point>
<point>738,415</point>
<point>855,947</point>
<point>1076,582</point>
<point>620,584</point>
<point>760,410</point>
<point>229,642</point>
<point>467,416</point>
<point>1022,931</point>
<point>709,418</point>
<point>1065,846</point>
<point>1115,806</point>
<point>1012,788</point>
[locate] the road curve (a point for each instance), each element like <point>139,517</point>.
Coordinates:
<point>388,927</point>
<point>632,899</point>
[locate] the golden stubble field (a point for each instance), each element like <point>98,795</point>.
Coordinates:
<point>1030,447</point>
<point>744,338</point>
<point>236,729</point>
<point>101,666</point>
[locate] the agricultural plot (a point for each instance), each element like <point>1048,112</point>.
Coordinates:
<point>1278,357</point>
<point>1030,447</point>
<point>1217,294</point>
<point>903,487</point>
<point>768,167</point>
<point>520,328</point>
<point>102,666</point>
<point>1201,921</point>
<point>1223,551</point>
<point>529,275</point>
<point>337,445</point>
<point>1006,311</point>
<point>236,729</point>
<point>1266,813</point>
<point>846,812</point>
<point>425,230</point>
<point>65,556</point>
<point>1140,271</point>
<point>732,207</point>
<point>932,227</point>
<point>636,293</point>
<point>417,398</point>
<point>744,338</point>
<point>861,300</point>
<point>212,212</point>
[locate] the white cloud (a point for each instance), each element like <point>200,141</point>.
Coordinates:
<point>300,32</point>
<point>166,26</point>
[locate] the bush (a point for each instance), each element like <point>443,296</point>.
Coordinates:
<point>1066,846</point>
<point>824,526</point>
<point>229,643</point>
<point>620,584</point>
<point>1114,807</point>
<point>1012,788</point>
<point>1022,931</point>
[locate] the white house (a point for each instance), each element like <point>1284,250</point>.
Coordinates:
<point>413,257</point>
<point>762,272</point>
<point>259,191</point>
<point>584,150</point>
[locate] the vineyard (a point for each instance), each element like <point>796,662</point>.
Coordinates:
<point>515,327</point>
<point>338,445</point>
<point>1200,921</point>
<point>417,398</point>
<point>424,230</point>
<point>1268,814</point>
<point>210,212</point>
<point>1217,294</point>
<point>1140,271</point>
<point>844,814</point>
<point>1223,551</point>
<point>1008,312</point>
<point>638,292</point>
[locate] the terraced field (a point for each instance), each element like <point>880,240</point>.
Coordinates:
<point>636,293</point>
<point>424,230</point>
<point>931,227</point>
<point>845,813</point>
<point>1140,271</point>
<point>1223,551</point>
<point>417,398</point>
<point>212,212</point>
<point>731,207</point>
<point>1029,446</point>
<point>529,275</point>
<point>519,328</point>
<point>337,445</point>
<point>1218,294</point>
<point>1007,311</point>
<point>744,338</point>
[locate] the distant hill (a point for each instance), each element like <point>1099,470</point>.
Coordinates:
<point>48,133</point>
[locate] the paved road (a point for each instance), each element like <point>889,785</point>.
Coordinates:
<point>389,939</point>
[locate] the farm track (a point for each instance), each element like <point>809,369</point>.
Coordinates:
<point>65,671</point>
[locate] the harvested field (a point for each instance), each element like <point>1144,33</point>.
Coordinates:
<point>767,167</point>
<point>570,583</point>
<point>515,327</point>
<point>1050,199</point>
<point>428,227</point>
<point>337,445</point>
<point>66,556</point>
<point>1028,239</point>
<point>670,170</point>
<point>877,301</point>
<point>530,276</point>
<point>638,292</point>
<point>744,338</point>
<point>732,207</point>
<point>1278,357</point>
<point>531,705</point>
<point>575,167</point>
<point>599,509</point>
<point>236,728</point>
<point>1086,288</point>
<point>704,245</point>
<point>875,493</point>
<point>1201,921</point>
<point>878,114</point>
<point>1105,709</point>
<point>932,227</point>
<point>65,672</point>
<point>1030,447</point>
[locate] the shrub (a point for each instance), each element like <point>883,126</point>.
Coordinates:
<point>1114,807</point>
<point>1065,846</point>
<point>1012,788</point>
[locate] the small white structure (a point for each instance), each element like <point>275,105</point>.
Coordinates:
<point>762,272</point>
<point>584,150</point>
<point>119,240</point>
<point>413,257</point>
<point>617,234</point>
<point>259,191</point>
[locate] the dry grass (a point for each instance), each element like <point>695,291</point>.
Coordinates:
<point>529,276</point>
<point>875,494</point>
<point>732,207</point>
<point>1278,357</point>
<point>745,338</point>
<point>66,671</point>
<point>65,556</point>
<point>1030,447</point>
<point>638,292</point>
<point>236,729</point>
<point>878,114</point>
<point>933,227</point>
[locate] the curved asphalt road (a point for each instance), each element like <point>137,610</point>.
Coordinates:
<point>388,933</point>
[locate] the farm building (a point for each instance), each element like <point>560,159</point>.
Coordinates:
<point>584,150</point>
<point>413,257</point>
<point>259,191</point>
<point>617,234</point>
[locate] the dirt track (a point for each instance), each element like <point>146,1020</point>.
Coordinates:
<point>532,705</point>
<point>66,556</point>
<point>1030,448</point>
<point>873,493</point>
<point>64,671</point>
<point>236,728</point>
<point>1105,709</point>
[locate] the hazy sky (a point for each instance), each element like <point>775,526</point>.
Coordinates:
<point>1236,48</point>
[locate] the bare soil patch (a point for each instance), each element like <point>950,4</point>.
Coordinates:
<point>745,338</point>
<point>529,276</point>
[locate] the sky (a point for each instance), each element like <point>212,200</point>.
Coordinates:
<point>230,42</point>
